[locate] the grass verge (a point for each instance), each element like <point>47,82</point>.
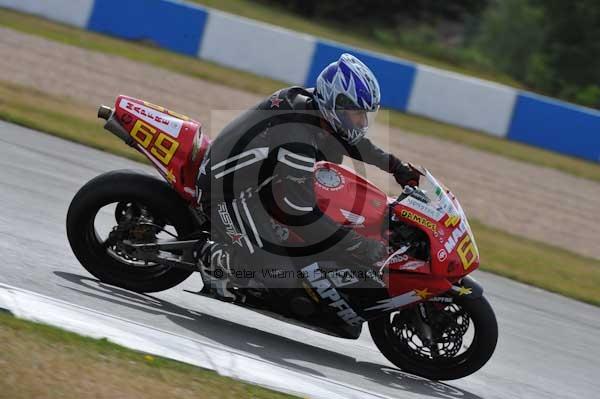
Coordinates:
<point>524,260</point>
<point>46,362</point>
<point>538,264</point>
<point>60,117</point>
<point>137,52</point>
<point>260,85</point>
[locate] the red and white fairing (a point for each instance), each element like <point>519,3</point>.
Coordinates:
<point>355,202</point>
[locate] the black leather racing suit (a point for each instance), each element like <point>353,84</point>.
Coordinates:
<point>256,184</point>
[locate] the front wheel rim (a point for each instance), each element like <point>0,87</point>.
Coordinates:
<point>446,348</point>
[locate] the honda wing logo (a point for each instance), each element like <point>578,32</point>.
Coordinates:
<point>353,217</point>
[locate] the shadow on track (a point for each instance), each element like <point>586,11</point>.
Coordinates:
<point>264,345</point>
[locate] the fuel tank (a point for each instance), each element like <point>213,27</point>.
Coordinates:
<point>350,199</point>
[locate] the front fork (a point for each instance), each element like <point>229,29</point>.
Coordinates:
<point>422,325</point>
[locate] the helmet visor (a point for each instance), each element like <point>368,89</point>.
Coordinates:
<point>354,121</point>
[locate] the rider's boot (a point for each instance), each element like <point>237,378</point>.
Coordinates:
<point>216,271</point>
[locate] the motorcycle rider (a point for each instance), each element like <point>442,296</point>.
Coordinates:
<point>256,183</point>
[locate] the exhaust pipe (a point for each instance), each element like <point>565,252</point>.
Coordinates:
<point>113,125</point>
<point>104,112</point>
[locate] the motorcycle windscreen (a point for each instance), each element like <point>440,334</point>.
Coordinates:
<point>438,203</point>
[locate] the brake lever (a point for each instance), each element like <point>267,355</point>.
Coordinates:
<point>406,192</point>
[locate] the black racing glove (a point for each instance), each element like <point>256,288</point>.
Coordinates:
<point>406,175</point>
<point>363,249</point>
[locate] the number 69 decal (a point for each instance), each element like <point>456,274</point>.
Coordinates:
<point>164,147</point>
<point>467,252</point>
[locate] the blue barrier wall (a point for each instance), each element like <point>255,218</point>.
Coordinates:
<point>298,58</point>
<point>557,126</point>
<point>175,26</point>
<point>395,77</point>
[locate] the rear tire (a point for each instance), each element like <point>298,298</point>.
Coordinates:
<point>115,187</point>
<point>480,351</point>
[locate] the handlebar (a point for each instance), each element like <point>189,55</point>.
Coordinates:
<point>408,191</point>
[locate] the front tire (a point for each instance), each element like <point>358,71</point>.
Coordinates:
<point>121,187</point>
<point>392,342</point>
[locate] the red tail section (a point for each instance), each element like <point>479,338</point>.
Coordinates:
<point>173,142</point>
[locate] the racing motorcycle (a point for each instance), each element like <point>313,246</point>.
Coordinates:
<point>426,314</point>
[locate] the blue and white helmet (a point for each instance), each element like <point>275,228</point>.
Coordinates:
<point>348,96</point>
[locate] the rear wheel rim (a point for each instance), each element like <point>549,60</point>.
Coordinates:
<point>127,263</point>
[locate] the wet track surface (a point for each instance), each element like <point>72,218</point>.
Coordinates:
<point>548,344</point>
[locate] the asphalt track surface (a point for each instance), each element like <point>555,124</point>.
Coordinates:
<point>548,346</point>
